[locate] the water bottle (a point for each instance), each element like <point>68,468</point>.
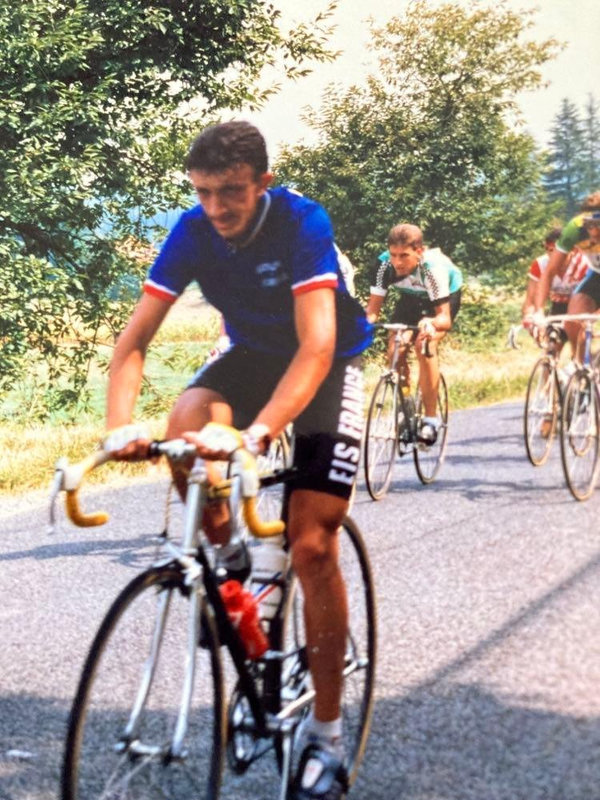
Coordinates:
<point>269,568</point>
<point>242,610</point>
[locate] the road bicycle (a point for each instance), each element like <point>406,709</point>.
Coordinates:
<point>154,716</point>
<point>580,418</point>
<point>394,421</point>
<point>543,400</point>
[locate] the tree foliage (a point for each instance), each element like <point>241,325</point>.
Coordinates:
<point>591,145</point>
<point>565,179</point>
<point>434,139</point>
<point>97,104</point>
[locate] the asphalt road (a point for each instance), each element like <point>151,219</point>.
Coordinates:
<point>488,583</point>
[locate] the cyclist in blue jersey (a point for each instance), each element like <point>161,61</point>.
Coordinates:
<point>265,258</point>
<point>583,232</point>
<point>427,289</point>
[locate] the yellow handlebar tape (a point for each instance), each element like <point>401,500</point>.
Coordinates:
<point>77,516</point>
<point>259,528</point>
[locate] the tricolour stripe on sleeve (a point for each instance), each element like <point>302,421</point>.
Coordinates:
<point>328,280</point>
<point>156,290</point>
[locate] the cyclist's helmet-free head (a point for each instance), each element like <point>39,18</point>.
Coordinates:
<point>590,210</point>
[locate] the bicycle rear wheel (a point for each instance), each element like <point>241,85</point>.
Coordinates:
<point>361,645</point>
<point>429,458</point>
<point>125,713</point>
<point>579,443</point>
<point>270,498</point>
<point>541,412</point>
<point>381,437</point>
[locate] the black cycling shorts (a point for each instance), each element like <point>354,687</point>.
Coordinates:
<point>411,308</point>
<point>590,285</point>
<point>327,433</point>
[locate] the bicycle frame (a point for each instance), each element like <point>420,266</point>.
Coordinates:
<point>193,559</point>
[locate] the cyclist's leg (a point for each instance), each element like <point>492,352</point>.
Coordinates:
<point>584,300</point>
<point>226,391</point>
<point>405,313</point>
<point>327,454</point>
<point>429,375</point>
<point>429,369</point>
<point>314,521</point>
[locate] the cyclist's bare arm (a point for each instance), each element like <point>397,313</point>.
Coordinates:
<point>556,262</point>
<point>374,306</point>
<point>528,306</point>
<point>316,330</point>
<point>127,364</point>
<point>435,328</point>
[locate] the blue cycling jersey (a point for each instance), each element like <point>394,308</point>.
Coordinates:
<point>289,251</point>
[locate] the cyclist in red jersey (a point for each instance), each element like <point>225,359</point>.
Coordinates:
<point>582,231</point>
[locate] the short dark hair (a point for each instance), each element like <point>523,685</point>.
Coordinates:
<point>553,235</point>
<point>405,235</point>
<point>222,146</point>
<point>591,202</point>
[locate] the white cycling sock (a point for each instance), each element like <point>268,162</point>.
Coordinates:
<point>326,734</point>
<point>434,421</point>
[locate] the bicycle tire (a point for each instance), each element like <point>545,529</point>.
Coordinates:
<point>381,437</point>
<point>541,412</point>
<point>429,458</point>
<point>579,442</point>
<point>96,763</point>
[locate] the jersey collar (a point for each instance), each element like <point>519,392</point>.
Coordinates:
<point>265,204</point>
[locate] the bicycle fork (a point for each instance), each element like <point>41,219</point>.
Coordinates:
<point>129,742</point>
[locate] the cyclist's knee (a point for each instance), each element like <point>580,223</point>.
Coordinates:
<point>313,523</point>
<point>194,408</point>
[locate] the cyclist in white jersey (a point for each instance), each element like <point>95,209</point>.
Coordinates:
<point>428,289</point>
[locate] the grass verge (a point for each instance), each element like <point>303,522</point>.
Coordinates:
<point>31,450</point>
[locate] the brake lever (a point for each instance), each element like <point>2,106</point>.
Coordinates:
<point>55,490</point>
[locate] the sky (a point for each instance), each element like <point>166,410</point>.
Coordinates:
<point>574,73</point>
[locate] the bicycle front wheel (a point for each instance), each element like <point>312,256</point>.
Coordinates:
<point>127,737</point>
<point>380,437</point>
<point>429,458</point>
<point>579,435</point>
<point>541,412</point>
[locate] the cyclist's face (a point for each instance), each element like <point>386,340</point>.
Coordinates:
<point>549,247</point>
<point>594,232</point>
<point>405,259</point>
<point>230,198</point>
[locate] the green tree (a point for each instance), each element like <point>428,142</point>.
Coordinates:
<point>566,176</point>
<point>97,104</point>
<point>433,139</point>
<point>591,145</point>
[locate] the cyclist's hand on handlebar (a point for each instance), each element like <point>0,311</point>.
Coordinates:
<point>127,442</point>
<point>427,329</point>
<point>215,442</point>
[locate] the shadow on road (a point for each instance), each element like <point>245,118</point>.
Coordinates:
<point>460,742</point>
